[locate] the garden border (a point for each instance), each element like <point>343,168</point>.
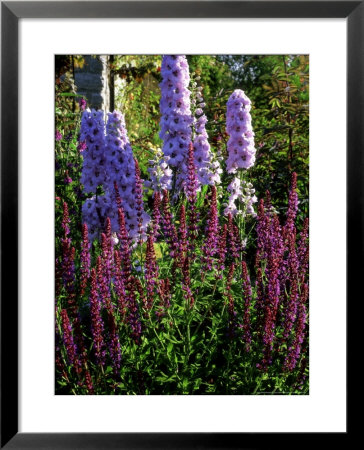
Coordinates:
<point>11,12</point>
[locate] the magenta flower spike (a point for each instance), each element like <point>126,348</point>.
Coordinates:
<point>68,341</point>
<point>151,273</point>
<point>292,208</point>
<point>191,194</point>
<point>85,259</point>
<point>247,298</point>
<point>210,246</point>
<point>97,324</point>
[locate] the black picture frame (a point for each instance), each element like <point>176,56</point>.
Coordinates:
<point>11,12</point>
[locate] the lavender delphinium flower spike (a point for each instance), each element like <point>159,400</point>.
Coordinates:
<point>122,169</point>
<point>241,147</point>
<point>175,111</point>
<point>93,133</point>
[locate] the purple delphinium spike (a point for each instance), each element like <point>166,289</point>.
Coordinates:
<point>93,133</point>
<point>175,111</point>
<point>247,296</point>
<point>85,259</point>
<point>241,147</point>
<point>97,324</point>
<point>122,170</point>
<point>68,341</point>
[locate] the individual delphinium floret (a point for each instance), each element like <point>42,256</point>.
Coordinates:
<point>121,168</point>
<point>176,118</point>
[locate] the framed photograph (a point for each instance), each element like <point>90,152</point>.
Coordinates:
<point>174,176</point>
